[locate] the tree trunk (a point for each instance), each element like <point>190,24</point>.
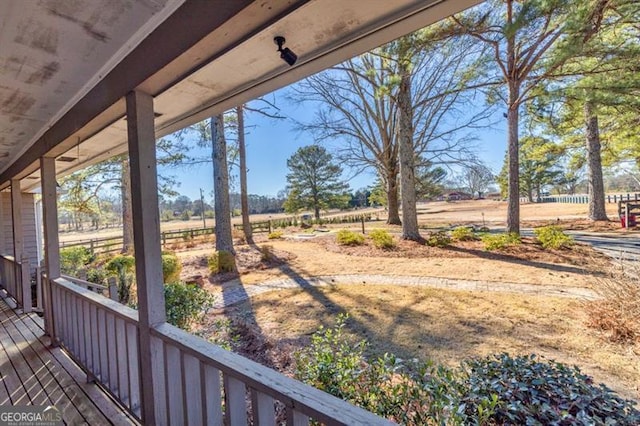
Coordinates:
<point>244,198</point>
<point>513,197</point>
<point>127,217</point>
<point>224,240</point>
<point>407,160</point>
<point>392,200</point>
<point>597,209</point>
<point>513,105</point>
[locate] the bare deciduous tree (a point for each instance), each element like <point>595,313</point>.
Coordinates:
<point>361,103</point>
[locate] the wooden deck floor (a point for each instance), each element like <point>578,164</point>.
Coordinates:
<point>32,373</point>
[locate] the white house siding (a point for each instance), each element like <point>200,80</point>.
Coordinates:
<point>28,223</point>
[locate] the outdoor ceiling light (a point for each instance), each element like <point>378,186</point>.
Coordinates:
<point>286,54</point>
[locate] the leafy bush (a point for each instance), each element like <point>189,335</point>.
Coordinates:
<point>222,261</point>
<point>438,239</point>
<point>345,237</point>
<point>487,391</point>
<point>97,275</point>
<point>500,241</point>
<point>528,390</point>
<point>552,237</point>
<point>382,239</point>
<point>186,215</point>
<point>185,304</point>
<point>74,258</point>
<point>275,235</point>
<point>171,267</point>
<point>463,233</point>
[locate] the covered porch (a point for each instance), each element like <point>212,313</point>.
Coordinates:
<point>84,81</point>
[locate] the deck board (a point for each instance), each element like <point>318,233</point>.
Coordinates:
<point>32,372</point>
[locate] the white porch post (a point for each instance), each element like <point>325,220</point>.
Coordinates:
<point>146,239</point>
<point>51,239</point>
<point>22,275</point>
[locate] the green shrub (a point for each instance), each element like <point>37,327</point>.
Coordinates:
<point>529,390</point>
<point>463,233</point>
<point>552,237</point>
<point>438,239</point>
<point>97,275</point>
<point>500,241</point>
<point>497,390</point>
<point>222,261</point>
<point>74,258</point>
<point>345,237</point>
<point>171,267</point>
<point>186,215</point>
<point>185,304</point>
<point>382,239</point>
<point>275,235</point>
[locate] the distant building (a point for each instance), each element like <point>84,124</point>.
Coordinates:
<point>457,196</point>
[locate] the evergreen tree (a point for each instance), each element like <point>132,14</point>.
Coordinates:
<point>314,181</point>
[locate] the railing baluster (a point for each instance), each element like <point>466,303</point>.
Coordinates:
<point>160,390</point>
<point>86,331</point>
<point>213,395</point>
<point>56,303</point>
<point>236,405</point>
<point>77,316</point>
<point>173,371</point>
<point>95,340</point>
<point>296,418</point>
<point>103,344</point>
<point>263,409</point>
<point>112,355</point>
<point>25,282</point>
<point>192,389</point>
<point>134,373</point>
<point>123,370</point>
<point>68,341</point>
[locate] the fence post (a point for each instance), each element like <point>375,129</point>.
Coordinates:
<point>269,222</point>
<point>164,240</point>
<point>113,289</point>
<point>362,220</point>
<point>91,246</point>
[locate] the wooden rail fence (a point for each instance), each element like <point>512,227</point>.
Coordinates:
<point>114,244</point>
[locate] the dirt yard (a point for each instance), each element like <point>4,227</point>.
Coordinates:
<point>446,325</point>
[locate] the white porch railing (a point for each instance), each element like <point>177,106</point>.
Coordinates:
<point>102,336</point>
<point>110,291</point>
<point>16,280</point>
<point>200,383</point>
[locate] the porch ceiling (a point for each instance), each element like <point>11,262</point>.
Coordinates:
<point>66,64</point>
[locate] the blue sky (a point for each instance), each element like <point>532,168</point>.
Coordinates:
<point>271,142</point>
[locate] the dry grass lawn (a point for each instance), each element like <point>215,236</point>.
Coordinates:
<point>444,325</point>
<point>447,326</point>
